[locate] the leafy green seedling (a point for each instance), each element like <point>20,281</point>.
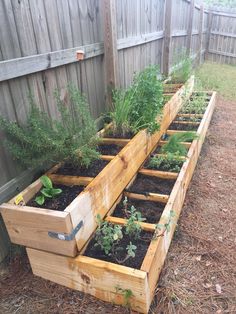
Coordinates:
<point>47,191</point>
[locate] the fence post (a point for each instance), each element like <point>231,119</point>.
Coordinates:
<point>201,23</point>
<point>110,48</point>
<point>190,28</point>
<point>167,37</point>
<point>208,33</point>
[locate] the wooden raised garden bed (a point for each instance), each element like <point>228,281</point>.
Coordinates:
<point>66,232</point>
<point>131,285</point>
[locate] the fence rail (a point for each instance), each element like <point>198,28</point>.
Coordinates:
<point>39,40</point>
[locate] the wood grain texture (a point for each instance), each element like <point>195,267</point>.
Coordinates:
<point>98,278</point>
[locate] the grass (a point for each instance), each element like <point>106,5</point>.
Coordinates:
<point>219,77</point>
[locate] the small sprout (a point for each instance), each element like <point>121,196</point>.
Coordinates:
<point>160,229</point>
<point>131,249</point>
<point>47,191</point>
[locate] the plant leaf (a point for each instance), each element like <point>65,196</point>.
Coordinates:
<point>56,191</point>
<point>46,192</point>
<point>40,200</point>
<point>46,181</point>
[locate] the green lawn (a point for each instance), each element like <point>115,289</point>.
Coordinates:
<point>219,77</point>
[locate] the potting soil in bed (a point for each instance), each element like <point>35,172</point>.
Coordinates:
<point>147,184</point>
<point>142,245</point>
<point>150,210</point>
<point>183,127</point>
<point>92,171</point>
<point>111,149</point>
<point>61,201</point>
<point>123,136</point>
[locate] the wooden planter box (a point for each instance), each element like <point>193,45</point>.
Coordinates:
<point>109,281</point>
<point>31,226</point>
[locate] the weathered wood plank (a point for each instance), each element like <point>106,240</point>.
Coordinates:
<point>23,66</point>
<point>98,278</point>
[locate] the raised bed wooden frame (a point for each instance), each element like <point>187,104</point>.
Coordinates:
<point>30,226</point>
<point>108,281</point>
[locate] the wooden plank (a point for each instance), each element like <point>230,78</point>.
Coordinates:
<point>171,132</point>
<point>210,16</point>
<point>70,180</point>
<point>107,157</point>
<point>98,278</point>
<point>158,173</point>
<point>110,48</point>
<point>222,53</point>
<point>154,197</point>
<point>23,66</point>
<point>128,42</point>
<point>223,34</point>
<point>200,39</point>
<point>190,115</point>
<point>186,122</point>
<point>158,249</point>
<point>122,221</point>
<point>23,223</point>
<point>167,38</point>
<point>190,28</point>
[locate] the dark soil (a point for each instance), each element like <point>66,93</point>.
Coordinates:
<point>60,202</point>
<point>110,134</point>
<point>142,245</point>
<point>191,119</point>
<point>109,149</point>
<point>150,210</point>
<point>147,184</point>
<point>183,127</point>
<point>92,171</point>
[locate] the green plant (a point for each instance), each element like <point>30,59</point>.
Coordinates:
<point>42,139</point>
<point>47,191</point>
<point>137,107</point>
<point>107,236</point>
<point>160,229</point>
<point>174,145</point>
<point>182,68</point>
<point>133,227</point>
<point>169,162</point>
<point>195,104</point>
<point>127,293</point>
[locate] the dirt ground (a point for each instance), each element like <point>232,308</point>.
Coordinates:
<point>199,273</point>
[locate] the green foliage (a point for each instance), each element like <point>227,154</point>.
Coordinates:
<point>133,227</point>
<point>222,3</point>
<point>47,191</point>
<point>182,68</point>
<point>137,107</point>
<point>43,140</point>
<point>160,229</point>
<point>195,104</point>
<point>218,77</point>
<point>169,162</point>
<point>174,145</point>
<point>107,236</point>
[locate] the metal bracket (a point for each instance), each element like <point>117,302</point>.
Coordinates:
<point>64,236</point>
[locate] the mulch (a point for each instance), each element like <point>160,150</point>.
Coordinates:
<point>199,272</point>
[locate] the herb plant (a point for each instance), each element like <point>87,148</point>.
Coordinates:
<point>47,191</point>
<point>42,139</point>
<point>195,104</point>
<point>137,107</point>
<point>160,229</point>
<point>133,227</point>
<point>182,68</point>
<point>174,145</point>
<point>170,162</point>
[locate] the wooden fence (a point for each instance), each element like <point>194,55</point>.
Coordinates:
<point>39,40</point>
<point>222,37</point>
